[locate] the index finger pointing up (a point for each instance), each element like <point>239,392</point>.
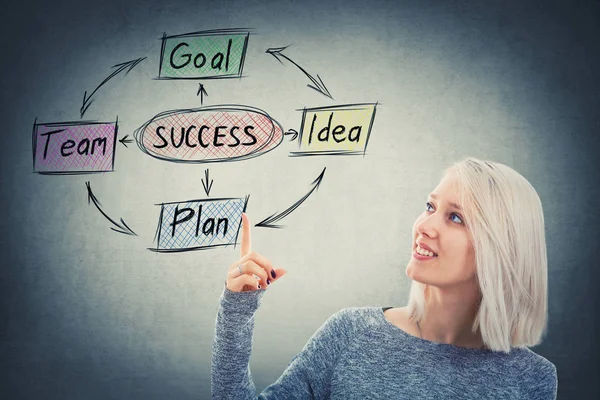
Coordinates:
<point>246,241</point>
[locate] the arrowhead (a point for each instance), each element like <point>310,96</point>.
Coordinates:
<point>134,63</point>
<point>91,196</point>
<point>326,92</point>
<point>89,190</point>
<point>267,223</point>
<point>292,132</point>
<point>124,140</point>
<point>131,64</point>
<point>201,90</point>
<point>276,52</point>
<point>319,178</point>
<point>264,224</point>
<point>126,229</point>
<point>320,87</point>
<point>207,187</point>
<point>205,184</point>
<point>87,102</point>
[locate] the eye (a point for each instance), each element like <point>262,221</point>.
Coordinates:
<point>457,216</point>
<point>459,221</point>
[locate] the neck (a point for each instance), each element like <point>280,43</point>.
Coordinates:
<point>449,317</point>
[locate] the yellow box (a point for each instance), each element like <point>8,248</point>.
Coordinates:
<point>343,129</point>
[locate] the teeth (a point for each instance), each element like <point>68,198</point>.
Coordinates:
<point>424,252</point>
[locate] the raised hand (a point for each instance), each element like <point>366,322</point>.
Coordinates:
<point>257,272</point>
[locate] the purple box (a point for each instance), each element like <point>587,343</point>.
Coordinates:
<point>74,147</point>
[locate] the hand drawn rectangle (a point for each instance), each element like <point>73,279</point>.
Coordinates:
<point>336,130</point>
<point>203,55</point>
<point>199,224</point>
<point>74,147</point>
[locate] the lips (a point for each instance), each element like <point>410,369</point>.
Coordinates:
<point>422,257</point>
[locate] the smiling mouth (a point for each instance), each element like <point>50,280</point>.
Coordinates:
<point>424,255</point>
<point>421,257</point>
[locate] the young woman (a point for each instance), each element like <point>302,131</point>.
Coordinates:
<point>478,299</point>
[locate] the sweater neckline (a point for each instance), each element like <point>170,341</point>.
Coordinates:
<point>428,344</point>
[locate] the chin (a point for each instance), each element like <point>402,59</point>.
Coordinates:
<point>413,271</point>
<point>422,273</point>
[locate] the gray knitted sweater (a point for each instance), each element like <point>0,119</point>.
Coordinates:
<point>358,354</point>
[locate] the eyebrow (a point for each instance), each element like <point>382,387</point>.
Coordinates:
<point>433,196</point>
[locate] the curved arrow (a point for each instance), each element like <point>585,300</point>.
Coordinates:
<point>87,101</point>
<point>123,228</point>
<point>268,222</point>
<point>317,85</point>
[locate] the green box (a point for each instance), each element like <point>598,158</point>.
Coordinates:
<point>203,55</point>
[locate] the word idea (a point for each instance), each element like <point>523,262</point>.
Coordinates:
<point>343,129</point>
<point>74,147</point>
<point>199,224</point>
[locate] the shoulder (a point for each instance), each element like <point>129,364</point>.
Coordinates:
<point>358,313</point>
<point>543,368</point>
<point>355,319</point>
<point>535,371</point>
<point>530,363</point>
<point>340,329</point>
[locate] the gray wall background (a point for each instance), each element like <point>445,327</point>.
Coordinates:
<point>89,313</point>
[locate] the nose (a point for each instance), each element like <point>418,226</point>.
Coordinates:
<point>429,225</point>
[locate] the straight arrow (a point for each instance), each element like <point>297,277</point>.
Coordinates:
<point>202,93</point>
<point>206,186</point>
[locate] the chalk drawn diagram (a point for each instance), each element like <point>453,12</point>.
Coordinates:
<point>203,135</point>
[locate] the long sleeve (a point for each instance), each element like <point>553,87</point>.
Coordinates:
<point>308,375</point>
<point>232,345</point>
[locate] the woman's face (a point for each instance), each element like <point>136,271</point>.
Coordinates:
<point>442,228</point>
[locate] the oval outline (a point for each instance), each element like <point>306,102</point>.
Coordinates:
<point>139,133</point>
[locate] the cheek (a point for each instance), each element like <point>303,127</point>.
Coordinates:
<point>459,249</point>
<point>471,257</point>
<point>468,258</point>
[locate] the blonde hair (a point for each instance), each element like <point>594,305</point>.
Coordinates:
<point>504,215</point>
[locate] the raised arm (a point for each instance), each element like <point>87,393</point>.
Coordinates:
<point>247,280</point>
<point>308,375</point>
<point>232,345</point>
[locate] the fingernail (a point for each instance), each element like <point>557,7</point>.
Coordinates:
<point>268,281</point>
<point>273,274</point>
